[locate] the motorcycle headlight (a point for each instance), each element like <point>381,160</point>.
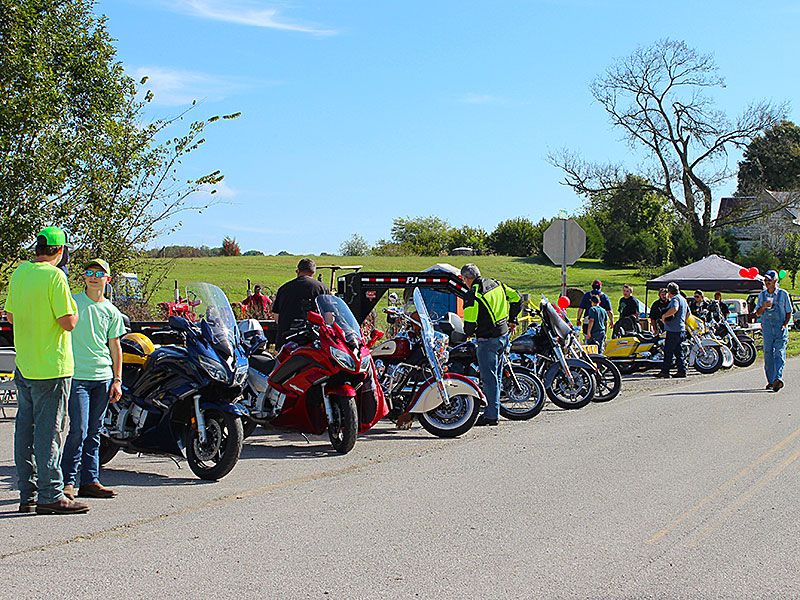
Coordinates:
<point>241,375</point>
<point>344,359</point>
<point>364,363</point>
<point>214,369</point>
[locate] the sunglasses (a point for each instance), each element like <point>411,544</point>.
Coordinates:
<point>90,273</point>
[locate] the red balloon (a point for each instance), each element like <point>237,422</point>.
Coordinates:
<point>744,273</point>
<point>563,302</point>
<point>753,272</point>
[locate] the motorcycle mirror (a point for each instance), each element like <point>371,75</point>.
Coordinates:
<point>315,318</point>
<point>376,335</point>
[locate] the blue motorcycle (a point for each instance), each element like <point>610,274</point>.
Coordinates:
<point>180,400</point>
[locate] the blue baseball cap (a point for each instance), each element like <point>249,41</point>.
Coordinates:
<point>771,274</point>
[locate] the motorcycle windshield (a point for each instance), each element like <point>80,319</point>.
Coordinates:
<point>212,307</point>
<point>430,341</point>
<point>334,310</point>
<point>554,320</point>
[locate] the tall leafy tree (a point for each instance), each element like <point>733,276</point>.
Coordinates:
<point>59,83</point>
<point>635,222</point>
<point>659,97</point>
<point>425,236</point>
<point>771,161</point>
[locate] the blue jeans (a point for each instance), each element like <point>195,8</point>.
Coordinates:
<point>490,363</point>
<point>41,411</point>
<point>598,338</point>
<point>775,340</point>
<point>673,346</point>
<point>88,402</point>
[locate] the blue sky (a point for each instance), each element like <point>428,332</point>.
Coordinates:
<point>357,112</point>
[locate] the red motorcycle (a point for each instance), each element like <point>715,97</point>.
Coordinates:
<point>323,377</point>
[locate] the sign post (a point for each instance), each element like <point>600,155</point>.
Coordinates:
<point>564,243</point>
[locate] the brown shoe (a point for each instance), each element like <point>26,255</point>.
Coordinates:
<point>69,491</point>
<point>65,506</point>
<point>95,490</point>
<point>27,507</point>
<point>778,384</point>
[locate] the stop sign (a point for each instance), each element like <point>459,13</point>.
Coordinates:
<point>564,242</point>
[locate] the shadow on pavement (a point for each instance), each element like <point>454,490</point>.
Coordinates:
<point>750,391</point>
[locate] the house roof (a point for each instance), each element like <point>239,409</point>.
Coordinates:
<point>742,206</point>
<point>712,273</point>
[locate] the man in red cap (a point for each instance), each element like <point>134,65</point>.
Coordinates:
<point>41,307</point>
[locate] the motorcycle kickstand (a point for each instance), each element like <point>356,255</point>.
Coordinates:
<point>308,441</point>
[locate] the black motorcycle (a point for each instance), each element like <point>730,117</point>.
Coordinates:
<point>545,349</point>
<point>180,400</point>
<point>522,393</point>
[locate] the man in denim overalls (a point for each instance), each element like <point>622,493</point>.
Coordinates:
<point>775,309</point>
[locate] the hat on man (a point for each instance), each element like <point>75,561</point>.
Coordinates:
<point>98,262</point>
<point>770,274</point>
<point>51,236</point>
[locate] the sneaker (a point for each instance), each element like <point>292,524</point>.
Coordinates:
<point>69,491</point>
<point>65,506</point>
<point>95,490</point>
<point>662,375</point>
<point>777,385</point>
<point>679,375</point>
<point>483,421</point>
<point>27,507</point>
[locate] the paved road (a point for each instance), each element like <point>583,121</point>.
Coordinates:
<point>677,489</point>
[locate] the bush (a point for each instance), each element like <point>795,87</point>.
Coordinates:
<point>514,237</point>
<point>253,253</point>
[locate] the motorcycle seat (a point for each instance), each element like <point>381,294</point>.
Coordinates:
<point>263,364</point>
<point>645,337</point>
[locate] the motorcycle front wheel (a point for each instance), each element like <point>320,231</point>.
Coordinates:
<point>216,457</point>
<point>607,379</point>
<point>108,450</point>
<point>745,355</point>
<point>572,395</point>
<point>708,359</point>
<point>451,419</point>
<point>342,432</point>
<point>523,400</point>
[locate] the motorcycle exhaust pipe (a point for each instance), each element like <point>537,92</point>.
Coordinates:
<point>201,421</point>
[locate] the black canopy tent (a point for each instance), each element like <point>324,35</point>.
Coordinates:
<point>710,274</point>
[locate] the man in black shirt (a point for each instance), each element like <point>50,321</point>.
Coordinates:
<point>296,297</point>
<point>628,312</point>
<point>657,309</point>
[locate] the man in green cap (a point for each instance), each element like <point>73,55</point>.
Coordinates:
<point>41,307</point>
<point>97,381</point>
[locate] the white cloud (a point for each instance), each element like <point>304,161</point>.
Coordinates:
<point>472,98</point>
<point>175,87</point>
<point>223,191</point>
<point>243,12</point>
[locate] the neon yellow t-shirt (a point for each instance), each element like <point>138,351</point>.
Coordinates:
<point>38,295</point>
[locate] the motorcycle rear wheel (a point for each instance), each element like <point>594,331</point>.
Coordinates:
<point>572,397</point>
<point>709,361</point>
<point>607,379</point>
<point>453,420</point>
<point>215,459</point>
<point>523,403</point>
<point>344,429</point>
<point>746,355</point>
